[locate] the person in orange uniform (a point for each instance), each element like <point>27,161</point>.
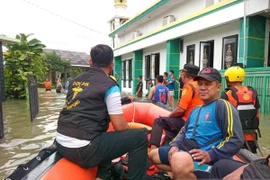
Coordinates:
<point>245,99</point>
<point>179,115</point>
<point>48,85</point>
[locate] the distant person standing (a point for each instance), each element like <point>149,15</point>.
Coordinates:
<point>159,92</point>
<point>150,85</point>
<point>139,87</point>
<point>165,77</point>
<point>48,85</point>
<point>171,82</point>
<point>59,85</point>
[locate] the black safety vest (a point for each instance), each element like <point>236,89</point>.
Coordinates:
<point>85,114</point>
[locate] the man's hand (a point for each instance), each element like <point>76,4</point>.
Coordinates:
<point>173,150</point>
<point>198,154</point>
<point>136,93</point>
<point>131,98</point>
<point>235,175</point>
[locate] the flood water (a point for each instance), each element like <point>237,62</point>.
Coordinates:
<point>23,139</point>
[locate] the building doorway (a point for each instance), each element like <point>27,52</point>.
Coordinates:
<point>155,65</point>
<point>152,66</point>
<point>206,54</point>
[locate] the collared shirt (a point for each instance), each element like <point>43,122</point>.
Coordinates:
<point>188,102</point>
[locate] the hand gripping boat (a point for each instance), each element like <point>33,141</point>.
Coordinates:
<point>49,164</point>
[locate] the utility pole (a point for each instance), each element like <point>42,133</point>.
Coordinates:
<point>244,42</point>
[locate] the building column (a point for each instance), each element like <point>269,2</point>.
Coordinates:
<point>255,41</point>
<point>118,70</point>
<point>173,60</point>
<point>137,65</point>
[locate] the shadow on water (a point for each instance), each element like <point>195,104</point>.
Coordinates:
<point>24,139</point>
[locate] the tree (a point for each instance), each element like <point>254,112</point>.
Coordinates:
<point>54,62</point>
<point>20,60</point>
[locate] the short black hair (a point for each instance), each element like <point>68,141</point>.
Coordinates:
<point>189,75</point>
<point>172,71</point>
<point>140,77</point>
<point>101,55</point>
<point>165,73</point>
<point>160,79</point>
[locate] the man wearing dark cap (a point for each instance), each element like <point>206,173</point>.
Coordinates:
<point>212,132</point>
<point>178,116</point>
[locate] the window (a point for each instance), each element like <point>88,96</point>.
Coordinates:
<point>229,51</point>
<point>206,54</point>
<point>147,67</point>
<point>152,64</point>
<point>155,65</point>
<point>190,54</point>
<point>124,73</point>
<point>129,72</point>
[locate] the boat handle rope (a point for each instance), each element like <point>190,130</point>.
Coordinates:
<point>133,116</point>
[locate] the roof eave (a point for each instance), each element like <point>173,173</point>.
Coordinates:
<point>8,40</point>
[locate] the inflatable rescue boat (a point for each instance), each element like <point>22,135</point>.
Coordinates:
<point>49,164</point>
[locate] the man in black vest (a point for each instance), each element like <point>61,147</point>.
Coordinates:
<point>93,100</point>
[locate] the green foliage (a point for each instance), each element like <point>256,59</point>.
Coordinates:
<point>20,60</point>
<point>74,71</point>
<point>54,62</point>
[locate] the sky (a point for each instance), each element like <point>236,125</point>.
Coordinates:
<point>75,25</point>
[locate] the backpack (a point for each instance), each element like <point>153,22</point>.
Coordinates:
<point>257,169</point>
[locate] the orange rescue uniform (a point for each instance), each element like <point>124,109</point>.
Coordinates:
<point>190,98</point>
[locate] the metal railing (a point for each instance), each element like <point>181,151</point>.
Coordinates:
<point>33,96</point>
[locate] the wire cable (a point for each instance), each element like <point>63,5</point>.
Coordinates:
<point>70,21</point>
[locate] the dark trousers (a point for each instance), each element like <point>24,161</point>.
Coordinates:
<point>224,167</point>
<point>172,126</point>
<point>108,146</point>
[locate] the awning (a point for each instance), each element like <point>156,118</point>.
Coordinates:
<point>8,40</point>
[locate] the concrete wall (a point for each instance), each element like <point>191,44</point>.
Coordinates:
<point>179,11</point>
<point>211,20</point>
<point>215,34</point>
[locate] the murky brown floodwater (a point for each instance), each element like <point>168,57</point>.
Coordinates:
<point>23,139</point>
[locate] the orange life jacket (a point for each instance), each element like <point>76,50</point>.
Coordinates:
<point>244,99</point>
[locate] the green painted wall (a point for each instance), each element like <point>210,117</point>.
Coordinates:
<point>255,41</point>
<point>137,65</point>
<point>173,60</point>
<point>118,70</point>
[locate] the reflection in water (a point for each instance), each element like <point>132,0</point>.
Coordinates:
<point>23,139</point>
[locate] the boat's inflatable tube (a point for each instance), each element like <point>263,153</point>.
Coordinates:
<point>49,164</point>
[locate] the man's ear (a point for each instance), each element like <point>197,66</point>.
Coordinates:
<point>112,65</point>
<point>219,86</point>
<point>90,62</point>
